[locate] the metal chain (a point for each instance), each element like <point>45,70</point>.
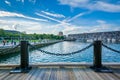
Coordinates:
<point>110,48</point>
<point>65,54</point>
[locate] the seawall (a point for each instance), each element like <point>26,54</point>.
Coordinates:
<point>12,50</point>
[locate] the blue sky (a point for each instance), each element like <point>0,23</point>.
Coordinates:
<point>52,16</point>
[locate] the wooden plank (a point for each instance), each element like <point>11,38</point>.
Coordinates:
<point>116,70</point>
<point>108,76</point>
<point>80,74</point>
<point>66,73</point>
<point>53,74</point>
<point>30,74</point>
<point>117,74</point>
<point>92,75</point>
<point>38,74</point>
<point>46,74</point>
<point>71,75</point>
<point>35,74</point>
<point>113,76</point>
<point>17,76</point>
<point>60,73</point>
<point>10,77</point>
<point>41,74</point>
<point>22,76</point>
<point>3,73</point>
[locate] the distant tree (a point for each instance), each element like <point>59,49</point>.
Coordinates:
<point>34,36</point>
<point>2,33</point>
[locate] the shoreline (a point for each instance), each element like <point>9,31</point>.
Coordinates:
<point>10,50</point>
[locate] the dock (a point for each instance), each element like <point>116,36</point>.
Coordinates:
<point>68,72</point>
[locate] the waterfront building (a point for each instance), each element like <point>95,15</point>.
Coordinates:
<point>111,36</point>
<point>60,33</point>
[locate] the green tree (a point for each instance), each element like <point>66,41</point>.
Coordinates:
<point>2,33</point>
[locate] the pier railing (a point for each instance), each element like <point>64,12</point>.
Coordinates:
<point>59,54</point>
<point>97,59</point>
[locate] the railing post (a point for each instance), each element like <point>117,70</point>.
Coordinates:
<point>97,62</point>
<point>24,62</point>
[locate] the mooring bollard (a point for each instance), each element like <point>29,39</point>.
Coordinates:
<point>24,64</point>
<point>97,54</point>
<point>97,62</point>
<point>24,61</point>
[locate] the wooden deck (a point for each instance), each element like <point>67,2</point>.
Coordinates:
<point>60,73</point>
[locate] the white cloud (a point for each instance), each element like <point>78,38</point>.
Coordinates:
<point>6,27</point>
<point>103,6</point>
<point>78,15</point>
<point>23,25</point>
<point>7,14</point>
<point>100,27</point>
<point>101,21</point>
<point>68,28</point>
<point>28,26</point>
<point>63,22</point>
<point>88,29</point>
<point>53,14</point>
<point>92,5</point>
<point>10,14</point>
<point>73,3</point>
<point>40,27</point>
<point>48,17</point>
<point>64,25</point>
<point>7,2</point>
<point>35,19</point>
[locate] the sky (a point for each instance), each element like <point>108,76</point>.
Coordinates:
<point>53,16</point>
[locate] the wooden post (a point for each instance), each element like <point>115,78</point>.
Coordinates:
<point>97,54</point>
<point>24,64</point>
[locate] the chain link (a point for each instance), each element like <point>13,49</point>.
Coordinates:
<point>110,48</point>
<point>65,54</point>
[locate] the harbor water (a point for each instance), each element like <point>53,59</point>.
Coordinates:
<point>86,56</point>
